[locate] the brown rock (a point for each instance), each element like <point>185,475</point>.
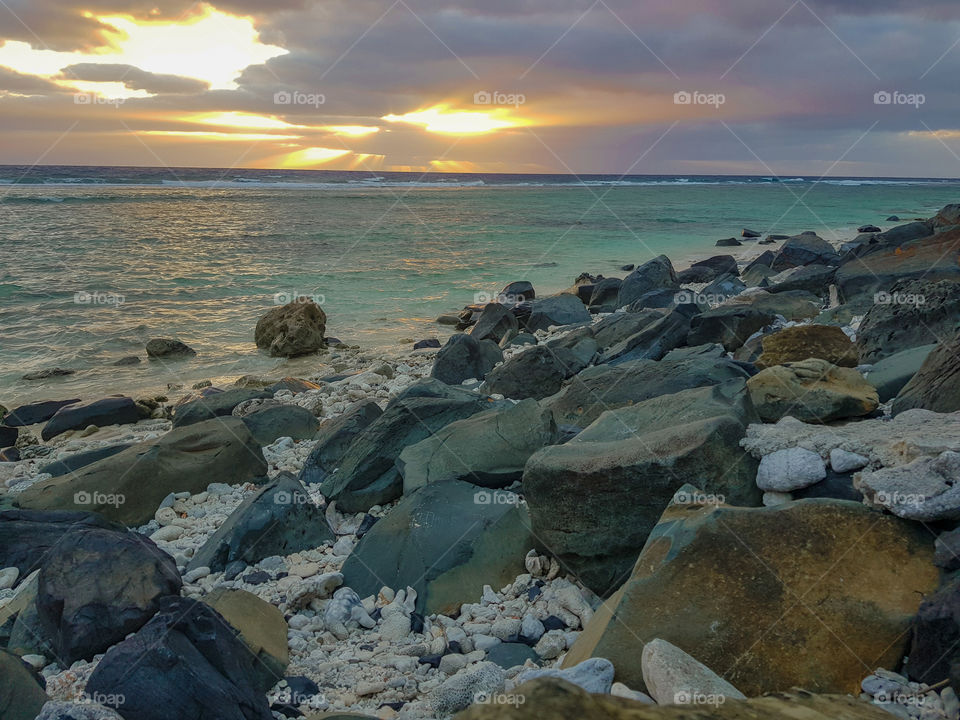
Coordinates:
<point>801,342</point>
<point>294,329</point>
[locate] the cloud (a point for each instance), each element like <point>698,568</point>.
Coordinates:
<point>134,78</point>
<point>23,84</point>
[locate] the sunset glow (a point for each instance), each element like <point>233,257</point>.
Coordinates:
<point>441,119</point>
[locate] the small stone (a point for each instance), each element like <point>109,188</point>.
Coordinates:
<point>618,689</point>
<point>673,677</point>
<point>369,688</point>
<point>196,574</point>
<point>843,461</point>
<point>343,546</point>
<point>395,628</point>
<point>485,642</point>
<point>450,664</point>
<point>459,691</point>
<point>506,629</point>
<point>167,533</point>
<point>489,597</point>
<point>531,629</point>
<point>551,645</point>
<point>790,469</point>
<point>8,577</point>
<point>37,662</point>
<point>594,675</point>
<point>776,498</point>
<point>166,515</point>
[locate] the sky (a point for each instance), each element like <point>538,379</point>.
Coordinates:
<point>763,87</point>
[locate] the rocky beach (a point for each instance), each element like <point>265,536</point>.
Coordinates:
<point>730,491</point>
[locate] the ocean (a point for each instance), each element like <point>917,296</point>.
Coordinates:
<point>98,260</point>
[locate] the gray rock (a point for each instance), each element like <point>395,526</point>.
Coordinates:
<point>657,274</point>
<point>23,690</point>
<point>619,326</point>
<point>117,410</point>
<point>655,340</point>
<point>605,294</point>
<point>804,250</point>
<point>535,373</point>
<point>511,654</point>
<point>594,675</point>
<point>730,325</point>
<point>289,421</point>
<point>936,385</point>
<point>704,271</point>
<point>367,473</point>
<point>815,278</point>
<point>74,462</point>
<point>466,687</point>
<point>464,358</point>
<point>291,330</point>
<point>334,438</point>
<point>67,710</point>
<point>446,541</point>
<point>926,489</point>
<point>790,469</point>
<point>673,677</point>
<point>558,310</point>
<point>279,519</point>
<point>842,461</point>
<point>35,412</point>
<point>488,449</point>
<point>217,404</point>
<point>496,322</point>
<point>890,374</point>
<point>168,348</point>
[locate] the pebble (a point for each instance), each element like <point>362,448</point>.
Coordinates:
<point>843,461</point>
<point>594,675</point>
<point>196,574</point>
<point>8,577</point>
<point>790,469</point>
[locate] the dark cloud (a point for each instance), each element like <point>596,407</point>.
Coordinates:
<point>21,84</point>
<point>134,78</point>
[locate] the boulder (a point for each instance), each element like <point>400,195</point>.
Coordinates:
<point>535,373</point>
<point>728,242</point>
<point>290,421</point>
<point>187,662</point>
<point>23,693</point>
<point>518,291</point>
<point>495,323</point>
<point>673,677</point>
<point>37,412</point>
<point>215,404</point>
<point>117,410</point>
<point>604,296</point>
<point>558,310</point>
<point>790,469</point>
<point>604,387</point>
<point>936,385</point>
<point>278,519</point>
<point>27,535</point>
<point>704,271</point>
<point>814,278</point>
<point>367,473</point>
<point>813,391</point>
<point>729,324</point>
<point>262,629</point>
<point>657,274</point>
<point>913,313</point>
<point>804,250</point>
<point>446,541</point>
<point>619,326</point>
<point>594,499</point>
<point>555,699</point>
<point>168,348</point>
<point>923,489</point>
<point>792,304</point>
<point>890,374</point>
<point>74,462</point>
<point>293,329</point>
<point>739,588</point>
<point>594,675</point>
<point>465,358</point>
<point>936,636</point>
<point>97,585</point>
<point>801,342</point>
<point>334,438</point>
<point>655,340</point>
<point>723,288</point>
<point>129,486</point>
<point>930,259</point>
<point>487,449</point>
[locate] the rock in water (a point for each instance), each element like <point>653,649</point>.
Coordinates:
<point>23,692</point>
<point>129,486</point>
<point>812,391</point>
<point>367,474</point>
<point>673,677</point>
<point>96,586</point>
<point>109,411</point>
<point>334,438</point>
<point>168,348</point>
<point>721,583</point>
<point>35,412</point>
<point>594,499</point>
<point>911,314</point>
<point>801,342</point>
<point>279,519</point>
<point>464,358</point>
<point>487,449</point>
<point>446,541</point>
<point>187,662</point>
<point>216,404</point>
<point>936,385</point>
<point>657,274</point>
<point>554,699</point>
<point>293,329</point>
<point>262,629</point>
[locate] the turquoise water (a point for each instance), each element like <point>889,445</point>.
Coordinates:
<point>91,270</point>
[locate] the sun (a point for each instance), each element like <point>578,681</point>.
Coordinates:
<point>441,119</point>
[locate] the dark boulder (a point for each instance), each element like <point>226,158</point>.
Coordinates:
<point>518,291</point>
<point>935,643</point>
<point>605,294</point>
<point>709,269</point>
<point>464,358</point>
<point>22,693</point>
<point>278,519</point>
<point>558,310</point>
<point>813,278</point>
<point>495,323</point>
<point>35,412</point>
<point>728,242</point>
<point>187,662</point>
<point>74,462</point>
<point>334,438</point>
<point>291,330</point>
<point>730,325</point>
<point>657,274</point>
<point>535,373</point>
<point>117,410</point>
<point>98,585</point>
<point>655,340</point>
<point>868,229</point>
<point>290,421</point>
<point>426,344</point>
<point>936,385</point>
<point>890,375</point>
<point>804,250</point>
<point>168,348</point>
<point>619,326</point>
<point>216,404</point>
